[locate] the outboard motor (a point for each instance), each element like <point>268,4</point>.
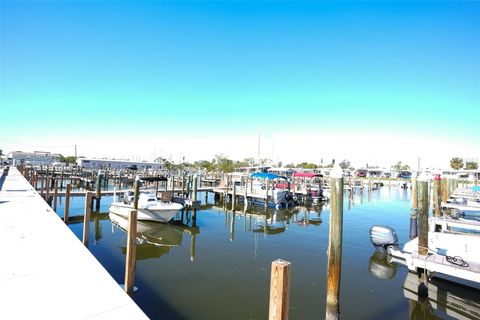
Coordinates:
<point>383,238</point>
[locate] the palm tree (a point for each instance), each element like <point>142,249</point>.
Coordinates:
<point>456,163</point>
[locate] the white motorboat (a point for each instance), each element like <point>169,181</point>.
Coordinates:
<point>453,248</point>
<point>149,208</point>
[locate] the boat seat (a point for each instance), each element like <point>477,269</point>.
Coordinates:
<point>166,197</point>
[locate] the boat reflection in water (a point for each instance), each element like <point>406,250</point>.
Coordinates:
<point>441,297</point>
<point>153,239</point>
<point>381,267</point>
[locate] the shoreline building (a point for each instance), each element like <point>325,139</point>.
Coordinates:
<point>91,163</point>
<point>33,158</point>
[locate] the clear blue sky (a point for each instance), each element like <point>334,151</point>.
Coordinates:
<point>312,67</point>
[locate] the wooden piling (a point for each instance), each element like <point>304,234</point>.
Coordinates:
<point>86,217</point>
<point>414,209</point>
<point>136,193</point>
<point>55,194</point>
<point>194,195</point>
<point>67,204</point>
<point>279,290</point>
<point>234,196</point>
<point>437,196</point>
<point>131,251</point>
<point>422,217</point>
<point>444,190</point>
<point>98,193</point>
<point>47,190</point>
<point>334,266</point>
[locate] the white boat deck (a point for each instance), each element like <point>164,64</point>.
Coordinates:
<point>434,262</point>
<point>46,272</point>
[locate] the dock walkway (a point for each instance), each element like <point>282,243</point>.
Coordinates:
<point>46,272</point>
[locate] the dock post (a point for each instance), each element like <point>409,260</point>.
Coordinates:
<point>246,194</point>
<point>234,195</point>
<point>422,217</point>
<point>67,204</point>
<point>42,183</point>
<point>194,195</point>
<point>55,194</point>
<point>61,180</point>
<point>266,193</point>
<point>86,217</point>
<point>47,190</point>
<point>131,251</point>
<point>183,185</point>
<point>444,190</point>
<point>98,193</point>
<point>173,185</point>
<point>334,265</point>
<point>279,290</point>
<point>414,209</point>
<point>136,192</point>
<point>437,196</point>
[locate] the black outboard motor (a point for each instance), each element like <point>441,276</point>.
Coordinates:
<point>383,238</point>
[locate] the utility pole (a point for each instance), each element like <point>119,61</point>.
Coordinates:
<point>75,152</point>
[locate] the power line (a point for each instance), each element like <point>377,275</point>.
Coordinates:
<point>36,146</point>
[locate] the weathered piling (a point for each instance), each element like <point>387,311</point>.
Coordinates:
<point>279,290</point>
<point>444,190</point>
<point>136,193</point>
<point>234,196</point>
<point>194,195</point>
<point>414,209</point>
<point>67,204</point>
<point>98,193</point>
<point>47,190</point>
<point>266,193</point>
<point>246,194</point>
<point>422,216</point>
<point>131,251</point>
<point>334,266</point>
<point>86,217</point>
<point>55,195</point>
<point>437,196</point>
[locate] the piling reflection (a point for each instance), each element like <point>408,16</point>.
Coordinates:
<point>155,239</point>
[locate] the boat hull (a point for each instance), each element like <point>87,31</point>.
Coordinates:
<point>163,214</point>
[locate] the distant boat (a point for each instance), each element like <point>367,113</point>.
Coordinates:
<point>278,197</point>
<point>149,208</point>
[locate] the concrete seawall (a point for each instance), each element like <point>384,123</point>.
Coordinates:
<point>45,271</point>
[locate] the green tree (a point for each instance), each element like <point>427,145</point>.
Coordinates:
<point>344,164</point>
<point>223,163</point>
<point>306,165</point>
<point>456,163</point>
<point>69,159</point>
<point>471,165</point>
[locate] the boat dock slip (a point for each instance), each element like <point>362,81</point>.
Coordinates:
<point>46,272</point>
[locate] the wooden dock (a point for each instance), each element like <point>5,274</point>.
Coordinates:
<point>46,272</point>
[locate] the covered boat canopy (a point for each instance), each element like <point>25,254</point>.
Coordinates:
<point>266,175</point>
<point>153,179</point>
<point>306,175</point>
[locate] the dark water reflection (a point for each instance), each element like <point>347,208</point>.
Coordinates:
<point>216,264</point>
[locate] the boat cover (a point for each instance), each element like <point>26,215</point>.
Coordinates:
<point>266,175</point>
<point>476,188</point>
<point>306,175</point>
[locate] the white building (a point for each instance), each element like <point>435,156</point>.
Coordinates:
<point>36,157</point>
<point>90,163</point>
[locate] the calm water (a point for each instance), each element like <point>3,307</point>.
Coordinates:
<point>218,266</point>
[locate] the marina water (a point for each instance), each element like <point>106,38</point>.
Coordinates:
<point>217,265</point>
